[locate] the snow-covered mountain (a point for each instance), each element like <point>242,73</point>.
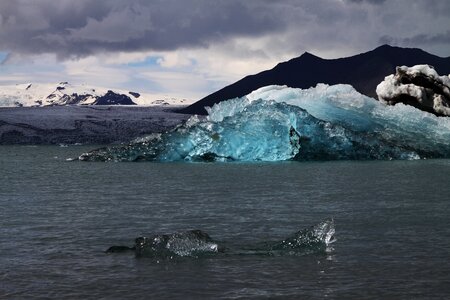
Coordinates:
<point>64,93</point>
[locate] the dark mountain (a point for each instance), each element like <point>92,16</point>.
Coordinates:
<point>111,98</point>
<point>363,71</point>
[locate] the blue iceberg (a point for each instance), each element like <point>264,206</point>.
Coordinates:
<point>276,123</point>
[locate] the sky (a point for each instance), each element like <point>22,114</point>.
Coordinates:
<point>190,48</point>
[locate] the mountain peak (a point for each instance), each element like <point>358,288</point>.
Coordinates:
<point>386,48</point>
<point>305,57</point>
<point>363,71</point>
<point>307,54</point>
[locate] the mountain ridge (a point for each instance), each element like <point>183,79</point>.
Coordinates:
<point>65,93</point>
<point>363,71</point>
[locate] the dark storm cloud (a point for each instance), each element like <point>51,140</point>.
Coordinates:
<point>441,38</point>
<point>418,40</point>
<point>80,28</point>
<point>368,1</point>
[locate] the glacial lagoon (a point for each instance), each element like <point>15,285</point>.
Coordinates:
<point>58,217</point>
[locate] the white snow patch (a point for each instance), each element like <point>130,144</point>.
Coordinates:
<point>391,89</point>
<point>44,94</point>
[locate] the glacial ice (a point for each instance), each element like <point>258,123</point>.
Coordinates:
<point>189,243</point>
<point>420,86</point>
<point>314,239</point>
<point>277,123</point>
<point>196,243</point>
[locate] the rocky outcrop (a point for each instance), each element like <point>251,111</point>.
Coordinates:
<point>68,99</point>
<point>64,93</point>
<point>134,94</point>
<point>111,98</point>
<point>419,86</point>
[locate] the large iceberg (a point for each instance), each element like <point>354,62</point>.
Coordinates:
<point>277,123</point>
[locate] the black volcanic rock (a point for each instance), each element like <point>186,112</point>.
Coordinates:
<point>134,94</point>
<point>66,99</point>
<point>363,71</point>
<point>73,99</point>
<point>111,98</point>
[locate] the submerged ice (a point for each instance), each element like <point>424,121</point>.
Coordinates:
<point>279,123</point>
<point>189,243</point>
<point>197,243</point>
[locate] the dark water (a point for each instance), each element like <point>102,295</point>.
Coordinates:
<point>57,218</point>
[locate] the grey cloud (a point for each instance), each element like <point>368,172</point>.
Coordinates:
<point>79,28</point>
<point>368,1</point>
<point>387,39</point>
<point>442,38</point>
<point>419,39</point>
<point>72,29</point>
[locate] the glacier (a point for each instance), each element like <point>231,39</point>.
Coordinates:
<point>277,123</point>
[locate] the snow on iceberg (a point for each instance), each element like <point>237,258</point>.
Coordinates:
<point>277,123</point>
<point>420,86</point>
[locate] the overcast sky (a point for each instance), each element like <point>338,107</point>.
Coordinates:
<point>193,47</point>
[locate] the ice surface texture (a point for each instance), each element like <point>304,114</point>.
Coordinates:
<point>318,237</point>
<point>277,123</point>
<point>420,86</point>
<point>189,243</point>
<point>196,243</point>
